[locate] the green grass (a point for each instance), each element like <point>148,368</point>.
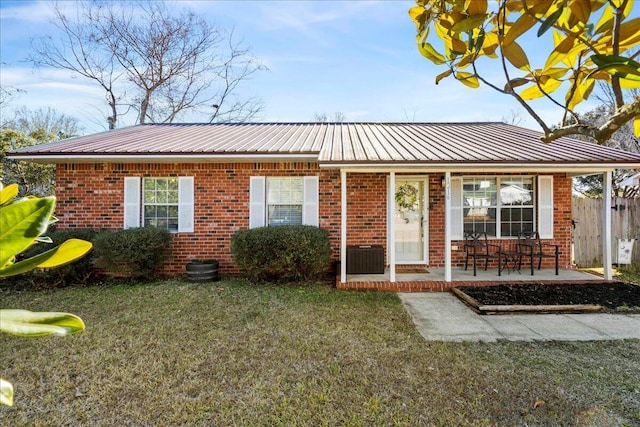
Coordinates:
<point>231,353</point>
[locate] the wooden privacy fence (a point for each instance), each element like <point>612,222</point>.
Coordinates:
<point>587,234</point>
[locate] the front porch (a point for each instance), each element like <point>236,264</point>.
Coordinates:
<point>433,279</point>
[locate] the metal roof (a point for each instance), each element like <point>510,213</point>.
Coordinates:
<point>331,144</point>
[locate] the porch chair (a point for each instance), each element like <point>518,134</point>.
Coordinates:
<point>477,246</point>
<point>530,246</point>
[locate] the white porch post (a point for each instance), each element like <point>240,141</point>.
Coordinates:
<point>392,227</point>
<point>343,226</point>
<point>447,227</point>
<point>606,227</point>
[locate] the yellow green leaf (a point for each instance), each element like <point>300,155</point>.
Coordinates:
<point>538,91</point>
<point>521,26</point>
<point>416,14</point>
<point>490,44</point>
<point>68,251</point>
<point>629,84</point>
<point>514,83</point>
<point>8,194</point>
<point>6,393</point>
<point>581,93</point>
<point>34,324</point>
<point>469,23</point>
<point>476,7</point>
<point>430,53</point>
<point>562,51</point>
<point>636,126</point>
<point>456,45</point>
<point>606,20</point>
<point>581,9</point>
<point>443,75</point>
<point>516,56</point>
<point>468,79</point>
<point>630,32</point>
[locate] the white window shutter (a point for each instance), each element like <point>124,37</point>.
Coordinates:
<point>545,206</point>
<point>457,230</point>
<point>310,197</point>
<point>185,204</point>
<point>131,202</point>
<point>257,205</point>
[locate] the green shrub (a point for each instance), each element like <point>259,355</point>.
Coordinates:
<point>289,252</point>
<point>81,271</point>
<point>134,252</point>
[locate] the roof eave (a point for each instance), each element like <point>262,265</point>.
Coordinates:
<point>164,158</point>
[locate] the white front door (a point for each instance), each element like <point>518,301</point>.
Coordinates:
<point>411,219</point>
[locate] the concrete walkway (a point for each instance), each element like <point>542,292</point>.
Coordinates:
<point>440,316</point>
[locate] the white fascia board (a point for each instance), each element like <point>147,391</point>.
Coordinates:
<point>568,168</point>
<point>167,158</point>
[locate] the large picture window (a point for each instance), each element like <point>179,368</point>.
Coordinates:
<point>284,200</point>
<point>500,207</point>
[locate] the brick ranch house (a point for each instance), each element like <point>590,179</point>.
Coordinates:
<point>415,187</point>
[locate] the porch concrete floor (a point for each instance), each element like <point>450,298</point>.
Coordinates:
<point>491,275</point>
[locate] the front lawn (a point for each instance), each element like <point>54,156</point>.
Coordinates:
<point>231,353</point>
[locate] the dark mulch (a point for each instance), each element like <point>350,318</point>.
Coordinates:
<point>609,295</point>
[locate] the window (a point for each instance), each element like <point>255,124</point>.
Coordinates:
<point>284,201</point>
<point>499,213</point>
<point>160,200</point>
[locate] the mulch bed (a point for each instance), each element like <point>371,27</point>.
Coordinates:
<point>611,296</point>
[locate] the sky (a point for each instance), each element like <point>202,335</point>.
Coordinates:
<point>354,57</point>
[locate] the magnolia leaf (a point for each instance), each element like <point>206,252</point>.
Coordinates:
<point>8,193</point>
<point>67,252</point>
<point>430,53</point>
<point>581,9</point>
<point>628,83</point>
<point>541,7</point>
<point>630,33</point>
<point>468,79</point>
<point>516,56</point>
<point>551,19</point>
<point>34,324</point>
<point>514,83</point>
<point>618,66</point>
<point>469,23</point>
<point>443,75</point>
<point>581,93</point>
<point>21,223</point>
<point>636,126</point>
<point>417,14</point>
<point>521,26</point>
<point>538,91</point>
<point>456,45</point>
<point>605,22</point>
<point>491,43</point>
<point>561,52</point>
<point>476,7</point>
<point>6,393</point>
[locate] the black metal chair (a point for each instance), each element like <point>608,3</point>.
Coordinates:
<point>477,246</point>
<point>530,246</point>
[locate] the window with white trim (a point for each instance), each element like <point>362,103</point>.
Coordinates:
<point>498,206</point>
<point>164,202</point>
<point>277,201</point>
<point>160,203</point>
<point>284,200</point>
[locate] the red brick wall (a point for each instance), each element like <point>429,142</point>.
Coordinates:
<point>92,196</point>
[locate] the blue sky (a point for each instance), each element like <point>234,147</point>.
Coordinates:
<point>355,57</point>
